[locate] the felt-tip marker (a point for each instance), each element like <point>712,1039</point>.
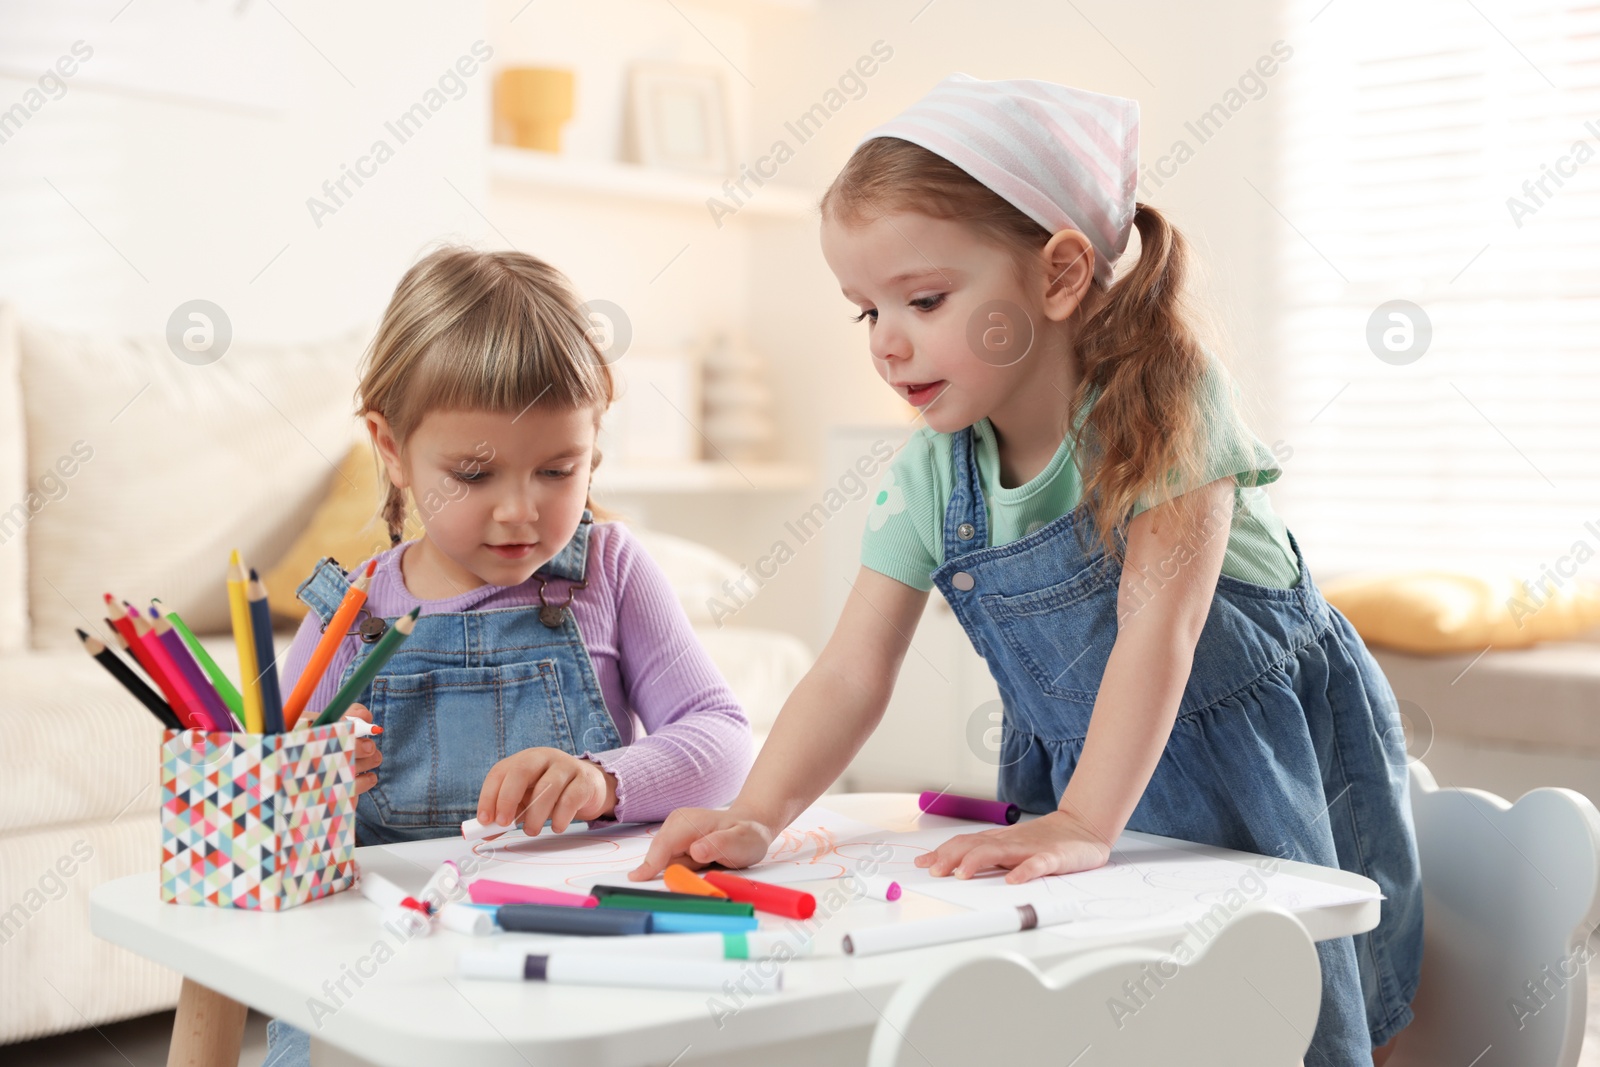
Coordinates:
<point>615,969</point>
<point>966,926</point>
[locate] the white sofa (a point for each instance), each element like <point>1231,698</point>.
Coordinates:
<point>126,470</point>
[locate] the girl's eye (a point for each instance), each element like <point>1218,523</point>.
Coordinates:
<point>928,303</point>
<point>469,477</point>
<point>558,474</point>
<point>870,311</point>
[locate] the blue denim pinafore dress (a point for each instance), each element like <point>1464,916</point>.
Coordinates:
<point>1287,741</point>
<point>468,689</point>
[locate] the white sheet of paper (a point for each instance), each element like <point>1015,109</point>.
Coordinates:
<point>816,846</point>
<point>1146,885</point>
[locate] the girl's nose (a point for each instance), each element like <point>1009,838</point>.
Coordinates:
<point>888,343</point>
<point>517,508</point>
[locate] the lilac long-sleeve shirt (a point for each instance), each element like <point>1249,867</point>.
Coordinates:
<point>685,739</point>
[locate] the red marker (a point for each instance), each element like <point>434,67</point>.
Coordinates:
<point>776,899</point>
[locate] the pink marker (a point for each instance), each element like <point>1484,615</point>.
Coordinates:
<point>958,807</point>
<point>489,891</point>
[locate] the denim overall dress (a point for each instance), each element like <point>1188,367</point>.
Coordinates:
<point>466,690</point>
<point>1287,741</point>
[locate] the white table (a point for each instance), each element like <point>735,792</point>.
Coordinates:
<point>414,1010</point>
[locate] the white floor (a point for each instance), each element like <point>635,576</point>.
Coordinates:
<point>143,1042</point>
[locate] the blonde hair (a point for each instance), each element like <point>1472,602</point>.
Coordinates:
<point>1141,352</point>
<point>471,330</point>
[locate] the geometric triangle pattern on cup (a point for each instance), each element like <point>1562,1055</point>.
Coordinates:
<point>257,821</point>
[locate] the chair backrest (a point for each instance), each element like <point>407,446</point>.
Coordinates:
<point>1249,998</point>
<point>1511,893</point>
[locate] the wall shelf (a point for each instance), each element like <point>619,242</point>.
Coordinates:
<point>706,476</point>
<point>630,181</point>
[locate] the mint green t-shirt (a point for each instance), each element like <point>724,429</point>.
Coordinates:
<point>904,534</point>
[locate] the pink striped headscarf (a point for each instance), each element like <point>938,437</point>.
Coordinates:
<point>1067,158</point>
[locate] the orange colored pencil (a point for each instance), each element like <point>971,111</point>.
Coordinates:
<point>338,626</point>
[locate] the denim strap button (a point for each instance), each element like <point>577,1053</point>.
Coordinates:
<point>962,581</point>
<point>966,531</point>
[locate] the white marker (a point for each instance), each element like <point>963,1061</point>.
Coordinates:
<point>475,922</point>
<point>405,911</point>
<point>880,887</point>
<point>754,945</point>
<point>363,728</point>
<point>608,969</point>
<point>442,886</point>
<point>989,922</point>
<point>473,830</point>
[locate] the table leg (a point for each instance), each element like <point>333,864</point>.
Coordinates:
<point>209,1030</point>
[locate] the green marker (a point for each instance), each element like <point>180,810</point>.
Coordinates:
<point>699,906</point>
<point>387,646</point>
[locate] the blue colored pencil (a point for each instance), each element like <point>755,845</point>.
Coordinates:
<point>266,657</point>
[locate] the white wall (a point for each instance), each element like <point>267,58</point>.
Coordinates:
<point>194,136</point>
<point>184,150</point>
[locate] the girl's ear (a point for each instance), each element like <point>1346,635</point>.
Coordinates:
<point>388,450</point>
<point>1069,273</point>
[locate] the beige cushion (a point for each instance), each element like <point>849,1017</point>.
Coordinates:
<point>171,466</point>
<point>14,503</point>
<point>1443,611</point>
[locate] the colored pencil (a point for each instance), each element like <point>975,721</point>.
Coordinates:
<point>121,624</point>
<point>219,679</point>
<point>130,681</point>
<point>189,707</point>
<point>387,646</point>
<point>245,641</point>
<point>266,657</point>
<point>193,676</point>
<point>337,627</point>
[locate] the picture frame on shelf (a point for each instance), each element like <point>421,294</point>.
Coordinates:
<point>649,424</point>
<point>678,118</point>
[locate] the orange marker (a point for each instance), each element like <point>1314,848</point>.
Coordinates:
<point>338,626</point>
<point>681,879</point>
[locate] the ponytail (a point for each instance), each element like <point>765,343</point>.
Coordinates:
<point>1142,368</point>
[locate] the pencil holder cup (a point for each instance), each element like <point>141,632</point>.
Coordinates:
<point>259,821</point>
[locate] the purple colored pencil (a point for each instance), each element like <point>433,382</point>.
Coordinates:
<point>173,643</point>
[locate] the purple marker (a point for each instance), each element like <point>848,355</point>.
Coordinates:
<point>958,807</point>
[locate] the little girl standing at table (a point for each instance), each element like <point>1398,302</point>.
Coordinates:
<point>1085,498</point>
<point>552,673</point>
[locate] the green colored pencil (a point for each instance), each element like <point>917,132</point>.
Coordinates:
<point>230,696</point>
<point>701,906</point>
<point>387,646</point>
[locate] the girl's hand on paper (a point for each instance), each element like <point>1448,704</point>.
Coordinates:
<point>367,755</point>
<point>696,837</point>
<point>546,783</point>
<point>1057,843</point>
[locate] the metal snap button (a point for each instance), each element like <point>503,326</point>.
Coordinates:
<point>962,581</point>
<point>966,531</point>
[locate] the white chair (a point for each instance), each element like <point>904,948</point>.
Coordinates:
<point>1249,999</point>
<point>1511,893</point>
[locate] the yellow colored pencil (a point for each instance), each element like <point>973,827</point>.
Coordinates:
<point>244,636</point>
